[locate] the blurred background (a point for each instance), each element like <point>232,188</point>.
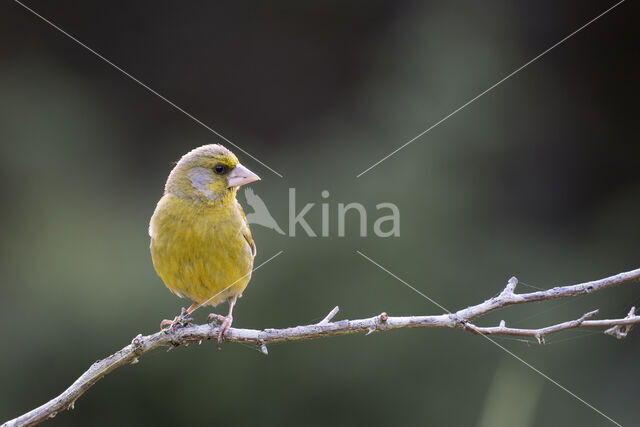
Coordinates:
<point>538,179</point>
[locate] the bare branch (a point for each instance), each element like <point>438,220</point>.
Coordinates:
<point>329,316</point>
<point>620,330</point>
<point>141,345</point>
<point>539,334</point>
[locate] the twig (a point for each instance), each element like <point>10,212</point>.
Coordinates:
<point>329,316</point>
<point>620,330</point>
<point>383,322</point>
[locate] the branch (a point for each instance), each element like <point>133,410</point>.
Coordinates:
<point>620,327</point>
<point>383,322</point>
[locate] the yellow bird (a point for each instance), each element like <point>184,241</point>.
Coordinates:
<point>201,244</point>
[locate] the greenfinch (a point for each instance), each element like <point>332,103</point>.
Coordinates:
<point>201,245</point>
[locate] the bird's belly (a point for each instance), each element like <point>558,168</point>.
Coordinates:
<point>204,257</point>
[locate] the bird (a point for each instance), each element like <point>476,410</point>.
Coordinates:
<point>260,215</point>
<point>201,244</point>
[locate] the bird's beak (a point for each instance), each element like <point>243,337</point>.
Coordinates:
<point>240,176</point>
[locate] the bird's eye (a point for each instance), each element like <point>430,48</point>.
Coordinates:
<point>219,169</point>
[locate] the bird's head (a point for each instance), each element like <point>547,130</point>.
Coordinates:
<point>208,173</point>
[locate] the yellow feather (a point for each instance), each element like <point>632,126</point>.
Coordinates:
<point>201,244</point>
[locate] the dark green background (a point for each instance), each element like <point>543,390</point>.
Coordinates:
<point>538,178</point>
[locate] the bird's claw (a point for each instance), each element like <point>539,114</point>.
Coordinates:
<point>215,318</point>
<point>166,322</point>
<point>224,327</point>
<point>179,321</point>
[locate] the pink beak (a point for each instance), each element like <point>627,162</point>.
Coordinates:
<point>240,176</point>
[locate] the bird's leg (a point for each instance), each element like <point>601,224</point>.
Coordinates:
<point>226,323</point>
<point>226,320</point>
<point>192,308</point>
<point>182,319</point>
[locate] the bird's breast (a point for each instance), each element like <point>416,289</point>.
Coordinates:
<point>199,250</point>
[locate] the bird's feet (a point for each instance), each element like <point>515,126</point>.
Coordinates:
<point>224,327</point>
<point>179,321</point>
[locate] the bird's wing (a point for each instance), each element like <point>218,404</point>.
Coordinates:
<point>246,231</point>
